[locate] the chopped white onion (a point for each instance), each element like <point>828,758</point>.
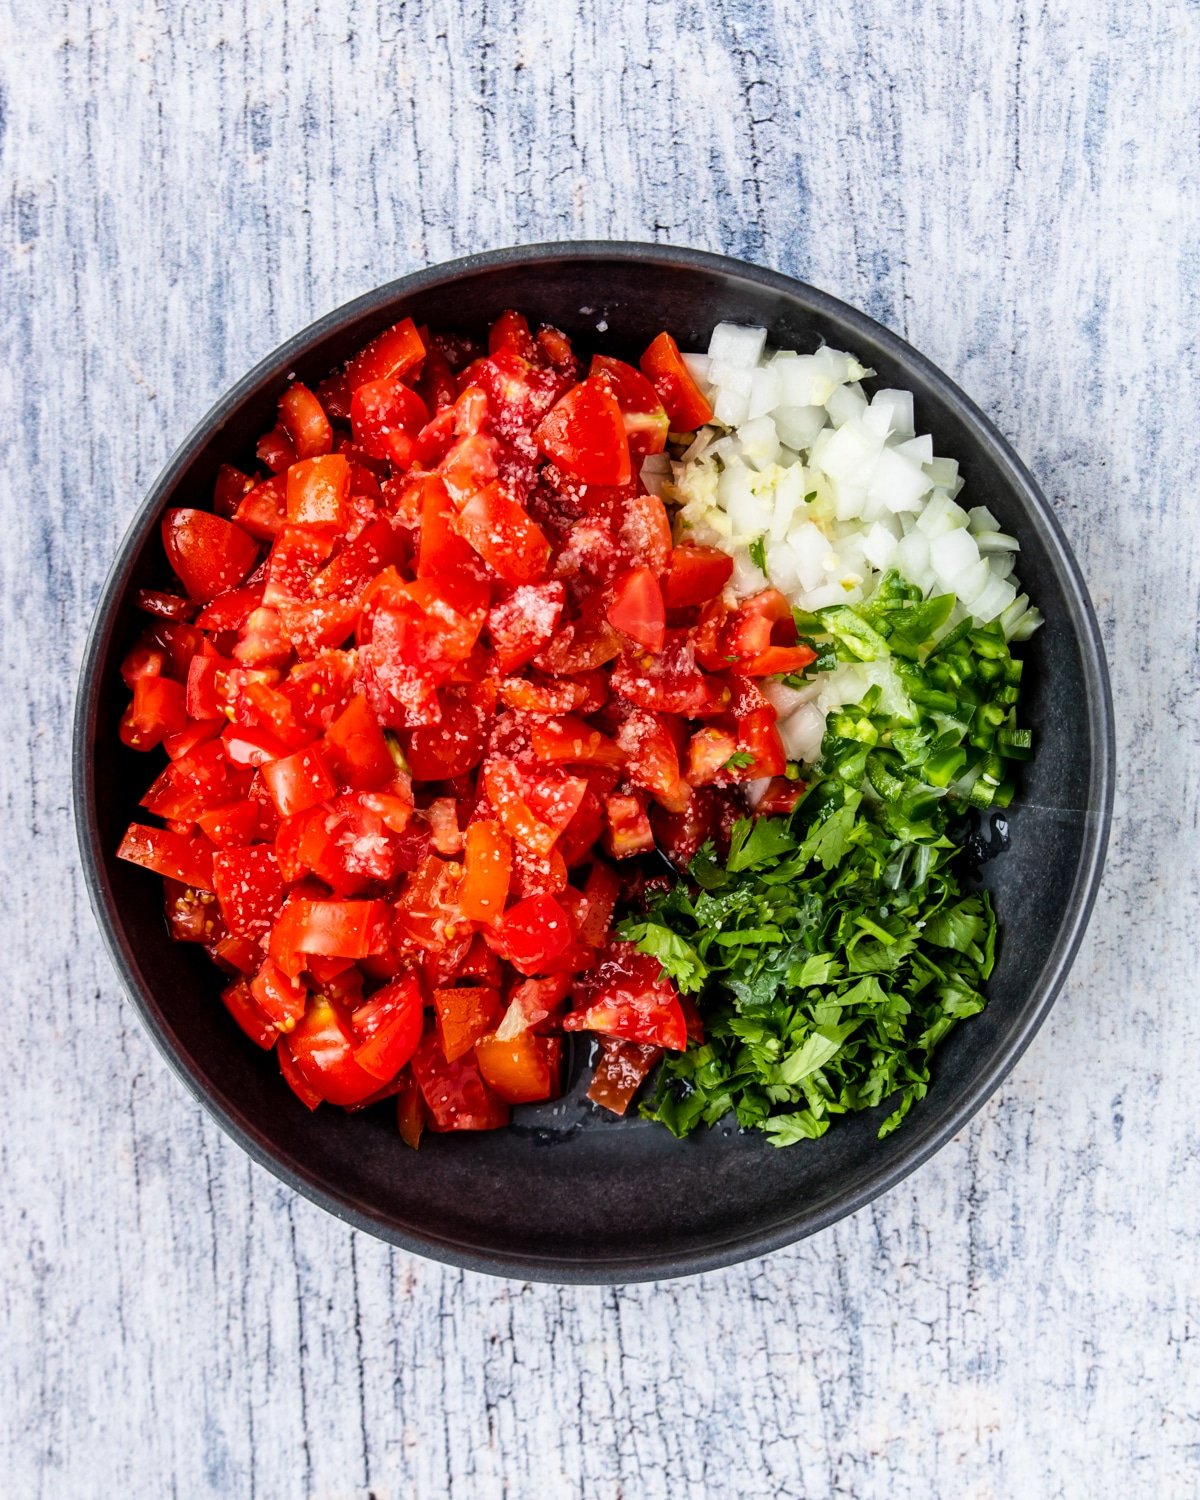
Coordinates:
<point>737,346</point>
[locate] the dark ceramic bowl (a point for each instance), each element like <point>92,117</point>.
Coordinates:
<point>567,1194</point>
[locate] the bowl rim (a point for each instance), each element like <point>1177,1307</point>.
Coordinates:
<point>918,1146</point>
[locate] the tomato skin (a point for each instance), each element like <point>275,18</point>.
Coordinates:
<point>522,1070</point>
<point>683,399</point>
<point>502,533</point>
<point>388,1027</point>
<point>322,1046</point>
<point>391,354</point>
<point>249,888</point>
<point>637,608</point>
<point>175,855</point>
<point>455,1094</point>
<point>303,418</point>
<point>628,995</point>
<point>231,485</point>
<point>695,575</point>
<point>584,433</point>
<point>208,553</point>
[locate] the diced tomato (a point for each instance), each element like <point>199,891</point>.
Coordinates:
<point>209,554</point>
<point>663,364</point>
<point>322,1046</point>
<point>695,575</point>
<point>389,1027</point>
<point>298,781</point>
<point>390,355</point>
<point>502,533</point>
<point>651,760</point>
<point>628,995</point>
<point>641,410</point>
<point>262,510</point>
<point>780,798</point>
<point>759,738</point>
<point>629,830</point>
<point>510,331</point>
<point>275,449</point>
<point>249,888</point>
<point>668,681</point>
<point>463,1016</point>
<point>410,1109</point>
<point>443,549</point>
<point>231,485</point>
<point>356,750</point>
<point>450,747</point>
<point>281,999</point>
<point>231,826</point>
<point>621,1071</point>
<point>637,608</point>
<point>337,929</point>
<point>521,624</point>
<point>600,900</point>
<point>158,709</point>
<point>379,545</point>
<point>386,416</point>
<point>572,739</point>
<point>773,661</point>
<point>523,1069</point>
<point>317,491</point>
<point>175,855</point>
<point>487,870</point>
<point>303,418</point>
<point>644,533</point>
<point>193,916</point>
<point>164,606</point>
<point>455,1094</point>
<point>240,1004</point>
<point>585,434</point>
<point>709,752</point>
<point>533,934</point>
<point>505,788</point>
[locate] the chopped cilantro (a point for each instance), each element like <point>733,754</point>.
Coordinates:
<point>833,949</point>
<point>758,553</point>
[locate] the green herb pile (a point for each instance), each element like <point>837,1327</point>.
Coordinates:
<point>834,948</point>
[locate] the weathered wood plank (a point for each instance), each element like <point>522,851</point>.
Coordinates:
<point>1013,188</point>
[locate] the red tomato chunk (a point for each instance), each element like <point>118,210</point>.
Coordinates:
<point>427,682</point>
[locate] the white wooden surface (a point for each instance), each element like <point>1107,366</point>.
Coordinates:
<point>1014,188</point>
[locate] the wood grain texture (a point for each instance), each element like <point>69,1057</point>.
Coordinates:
<point>1012,187</point>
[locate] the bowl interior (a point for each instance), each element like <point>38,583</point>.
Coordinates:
<point>567,1194</point>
